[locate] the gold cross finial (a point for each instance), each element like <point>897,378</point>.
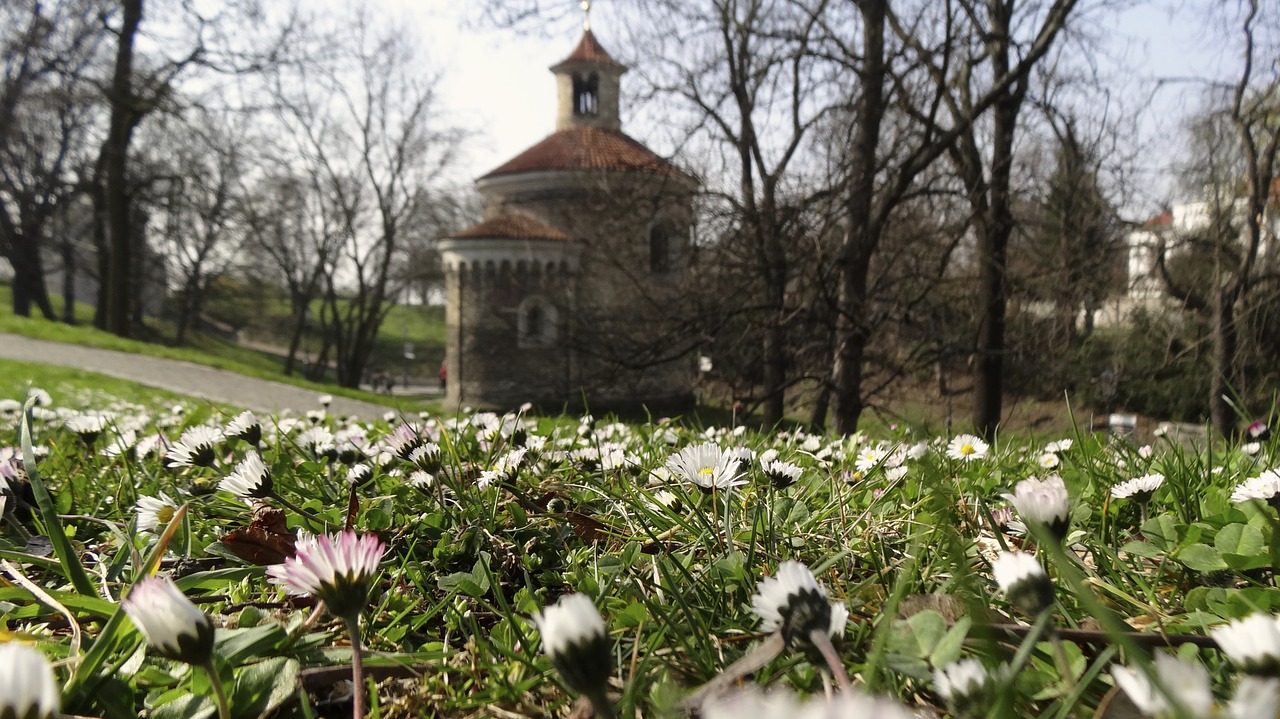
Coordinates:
<point>586,15</point>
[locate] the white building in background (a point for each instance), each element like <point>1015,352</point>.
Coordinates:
<point>1146,289</point>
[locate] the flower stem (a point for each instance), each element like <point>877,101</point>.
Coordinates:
<point>600,703</point>
<point>219,693</point>
<point>357,667</point>
<point>828,651</point>
<point>309,517</point>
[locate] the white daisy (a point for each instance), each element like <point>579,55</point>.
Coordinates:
<point>28,689</point>
<point>1186,680</point>
<point>155,512</point>
<point>967,448</point>
<point>195,448</point>
<point>250,480</point>
<point>1044,501</point>
<point>707,466</point>
<point>794,602</point>
<point>1252,643</point>
<point>172,625</point>
<point>1023,581</point>
<point>1139,488</point>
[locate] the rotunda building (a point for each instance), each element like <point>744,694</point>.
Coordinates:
<point>569,292</point>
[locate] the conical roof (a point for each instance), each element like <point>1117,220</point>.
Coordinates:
<point>588,148</point>
<point>512,226</point>
<point>589,50</point>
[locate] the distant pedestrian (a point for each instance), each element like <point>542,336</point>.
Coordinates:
<point>444,376</point>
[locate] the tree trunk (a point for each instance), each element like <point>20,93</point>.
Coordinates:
<point>854,260</point>
<point>68,281</point>
<point>295,338</point>
<point>993,244</point>
<point>775,358</point>
<point>118,282</point>
<point>29,287</point>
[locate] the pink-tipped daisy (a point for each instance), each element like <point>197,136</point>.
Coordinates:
<point>337,569</point>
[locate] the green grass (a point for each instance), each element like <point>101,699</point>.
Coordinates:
<point>203,349</point>
<point>672,568</point>
<point>78,388</point>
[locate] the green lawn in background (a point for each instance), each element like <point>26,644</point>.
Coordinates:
<point>203,349</point>
<point>67,385</point>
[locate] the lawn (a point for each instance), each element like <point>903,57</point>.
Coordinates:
<point>505,567</point>
<point>203,349</point>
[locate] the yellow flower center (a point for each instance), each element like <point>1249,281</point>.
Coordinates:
<point>164,515</point>
<point>967,448</point>
<point>707,471</point>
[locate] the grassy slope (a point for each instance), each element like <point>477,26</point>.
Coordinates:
<point>66,383</point>
<point>203,349</point>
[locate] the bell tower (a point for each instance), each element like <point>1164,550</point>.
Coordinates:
<point>587,84</point>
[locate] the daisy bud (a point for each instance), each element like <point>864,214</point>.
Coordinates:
<point>1044,501</point>
<point>28,689</point>
<point>576,641</point>
<point>794,602</point>
<point>1023,582</point>
<point>173,626</point>
<point>963,685</point>
<point>1252,643</point>
<point>337,569</point>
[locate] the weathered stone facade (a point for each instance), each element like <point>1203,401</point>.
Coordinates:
<point>567,291</point>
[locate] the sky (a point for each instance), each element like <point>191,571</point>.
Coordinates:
<point>497,81</point>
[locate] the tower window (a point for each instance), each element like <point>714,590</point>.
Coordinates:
<point>586,94</point>
<point>536,323</point>
<point>660,249</point>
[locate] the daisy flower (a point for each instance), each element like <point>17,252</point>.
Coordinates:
<point>250,480</point>
<point>794,602</point>
<point>195,448</point>
<point>1186,680</point>
<point>1139,488</point>
<point>967,448</point>
<point>1044,501</point>
<point>28,689</point>
<point>706,466</point>
<point>1252,643</point>
<point>962,684</point>
<point>337,569</point>
<point>246,427</point>
<point>155,512</point>
<point>172,624</point>
<point>575,639</point>
<point>1023,581</point>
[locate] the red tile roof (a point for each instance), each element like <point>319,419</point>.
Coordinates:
<point>512,227</point>
<point>588,148</point>
<point>1161,220</point>
<point>590,50</point>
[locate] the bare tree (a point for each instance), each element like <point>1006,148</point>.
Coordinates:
<point>45,113</point>
<point>203,162</point>
<point>364,117</point>
<point>1236,168</point>
<point>882,175</point>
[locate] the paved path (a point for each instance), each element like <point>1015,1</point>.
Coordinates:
<point>186,378</point>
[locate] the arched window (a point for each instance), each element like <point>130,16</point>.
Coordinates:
<point>536,322</point>
<point>660,249</point>
<point>586,94</point>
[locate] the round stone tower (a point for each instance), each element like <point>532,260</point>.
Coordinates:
<point>567,292</point>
